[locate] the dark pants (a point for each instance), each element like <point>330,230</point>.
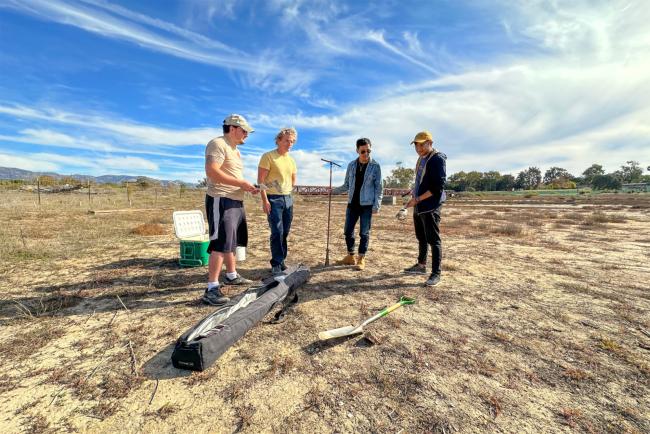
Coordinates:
<point>280,219</point>
<point>352,215</point>
<point>427,231</point>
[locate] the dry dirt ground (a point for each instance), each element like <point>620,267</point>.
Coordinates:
<point>540,323</point>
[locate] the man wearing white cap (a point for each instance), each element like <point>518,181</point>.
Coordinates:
<point>427,198</point>
<point>224,204</point>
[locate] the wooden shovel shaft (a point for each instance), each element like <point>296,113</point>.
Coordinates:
<point>382,313</point>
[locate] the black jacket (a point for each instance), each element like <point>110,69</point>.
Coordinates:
<point>433,180</point>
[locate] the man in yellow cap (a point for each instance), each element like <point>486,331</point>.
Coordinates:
<point>427,197</point>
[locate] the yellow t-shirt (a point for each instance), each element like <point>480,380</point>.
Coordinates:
<point>281,168</point>
<point>230,159</point>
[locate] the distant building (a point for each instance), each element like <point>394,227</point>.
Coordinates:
<point>636,186</point>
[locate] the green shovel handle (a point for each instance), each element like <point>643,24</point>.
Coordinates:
<point>402,301</point>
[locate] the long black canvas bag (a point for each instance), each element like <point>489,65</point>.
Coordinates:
<point>200,346</point>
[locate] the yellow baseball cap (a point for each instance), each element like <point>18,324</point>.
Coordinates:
<point>422,136</point>
<point>238,121</point>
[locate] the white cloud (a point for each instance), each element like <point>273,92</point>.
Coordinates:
<point>27,163</point>
<point>129,163</point>
<point>124,131</point>
<point>583,100</point>
<point>378,38</point>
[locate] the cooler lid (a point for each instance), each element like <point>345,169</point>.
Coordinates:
<point>188,223</point>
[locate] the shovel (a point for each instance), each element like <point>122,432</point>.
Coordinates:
<point>352,330</point>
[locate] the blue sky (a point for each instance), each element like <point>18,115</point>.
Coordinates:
<point>115,87</point>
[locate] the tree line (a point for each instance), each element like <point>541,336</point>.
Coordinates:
<point>529,179</point>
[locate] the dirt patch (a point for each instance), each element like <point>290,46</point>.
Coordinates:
<point>541,322</point>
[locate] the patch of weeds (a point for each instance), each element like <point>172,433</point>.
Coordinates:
<point>25,342</point>
<point>26,254</point>
<point>244,415</point>
<point>534,222</point>
<point>609,345</point>
<point>280,365</point>
<point>429,421</point>
<point>494,405</point>
<point>317,401</point>
<point>38,424</point>
<point>570,416</point>
<point>593,223</point>
<point>449,266</point>
<point>149,229</point>
<point>7,383</point>
<point>500,336</point>
<point>119,386</point>
<point>576,374</point>
<point>233,392</point>
<point>566,272</point>
<point>104,409</point>
<point>509,229</point>
<point>614,347</point>
<point>46,305</point>
<point>165,411</point>
<point>574,287</point>
<point>601,217</point>
<point>26,407</point>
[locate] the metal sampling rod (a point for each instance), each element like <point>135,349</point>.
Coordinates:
<point>329,209</point>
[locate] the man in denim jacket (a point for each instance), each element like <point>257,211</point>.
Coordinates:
<point>364,186</point>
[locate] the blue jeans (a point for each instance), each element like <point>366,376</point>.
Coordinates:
<point>279,219</point>
<point>352,215</point>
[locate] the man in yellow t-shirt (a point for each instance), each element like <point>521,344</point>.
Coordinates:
<point>277,170</point>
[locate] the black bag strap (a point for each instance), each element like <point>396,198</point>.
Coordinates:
<point>287,304</point>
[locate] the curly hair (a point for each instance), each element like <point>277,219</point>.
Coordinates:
<point>291,131</point>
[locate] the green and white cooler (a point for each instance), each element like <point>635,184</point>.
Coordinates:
<point>189,227</point>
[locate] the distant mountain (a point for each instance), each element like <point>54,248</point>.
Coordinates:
<point>12,173</point>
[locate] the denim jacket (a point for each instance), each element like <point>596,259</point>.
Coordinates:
<point>372,189</point>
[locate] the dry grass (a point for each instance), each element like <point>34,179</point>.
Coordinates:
<point>526,315</point>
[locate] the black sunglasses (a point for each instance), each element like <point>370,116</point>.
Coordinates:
<point>365,151</point>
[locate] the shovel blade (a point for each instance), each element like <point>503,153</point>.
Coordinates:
<point>339,332</point>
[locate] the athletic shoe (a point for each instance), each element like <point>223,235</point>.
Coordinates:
<point>416,269</point>
<point>361,263</point>
<point>236,281</point>
<point>276,270</point>
<point>348,260</point>
<point>433,280</point>
<point>214,297</point>
<point>283,266</point>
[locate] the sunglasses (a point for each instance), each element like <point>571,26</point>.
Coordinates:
<point>365,151</point>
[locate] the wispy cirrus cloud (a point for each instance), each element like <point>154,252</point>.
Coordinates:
<point>126,131</point>
<point>581,98</point>
<point>116,22</point>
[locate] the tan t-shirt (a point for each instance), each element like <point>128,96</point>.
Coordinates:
<point>230,159</point>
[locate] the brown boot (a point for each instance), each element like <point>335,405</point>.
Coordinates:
<point>361,263</point>
<point>348,260</point>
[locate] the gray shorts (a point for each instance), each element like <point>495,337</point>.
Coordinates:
<point>227,224</point>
